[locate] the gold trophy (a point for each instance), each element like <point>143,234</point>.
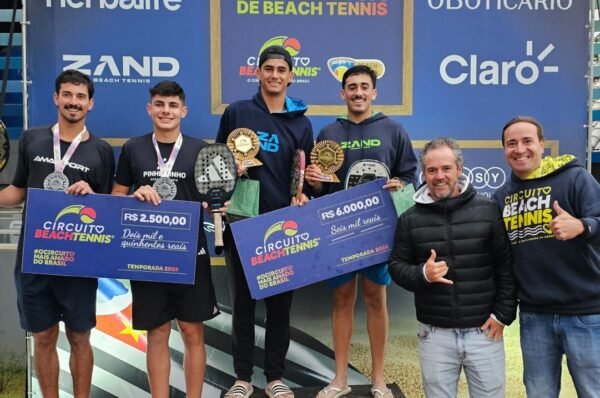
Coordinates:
<point>328,156</point>
<point>245,145</point>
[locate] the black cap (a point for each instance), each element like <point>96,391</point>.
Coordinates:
<point>275,52</point>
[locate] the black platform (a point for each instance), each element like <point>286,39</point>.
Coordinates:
<point>362,391</point>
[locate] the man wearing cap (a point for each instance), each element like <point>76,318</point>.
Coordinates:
<point>281,126</point>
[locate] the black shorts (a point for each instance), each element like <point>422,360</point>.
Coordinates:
<point>45,300</point>
<point>155,303</point>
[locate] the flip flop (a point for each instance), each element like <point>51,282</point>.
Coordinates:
<point>379,393</point>
<point>277,390</point>
<point>239,390</point>
<point>337,392</point>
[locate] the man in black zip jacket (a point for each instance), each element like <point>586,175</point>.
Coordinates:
<point>452,251</point>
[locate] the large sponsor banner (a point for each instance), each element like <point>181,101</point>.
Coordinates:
<point>460,68</point>
<point>296,246</point>
<point>320,54</point>
<point>64,235</point>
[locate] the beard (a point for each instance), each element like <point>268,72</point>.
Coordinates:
<point>69,116</point>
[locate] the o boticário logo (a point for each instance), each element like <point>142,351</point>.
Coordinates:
<point>82,229</point>
<point>339,65</point>
<point>281,239</point>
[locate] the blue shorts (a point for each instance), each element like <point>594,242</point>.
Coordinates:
<point>45,300</point>
<point>378,274</point>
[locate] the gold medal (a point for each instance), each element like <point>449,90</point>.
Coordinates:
<point>245,145</point>
<point>328,156</point>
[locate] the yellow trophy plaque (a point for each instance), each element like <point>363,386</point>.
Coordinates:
<point>245,145</point>
<point>328,156</point>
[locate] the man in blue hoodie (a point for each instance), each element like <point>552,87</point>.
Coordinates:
<point>551,211</point>
<point>363,134</point>
<point>281,126</point>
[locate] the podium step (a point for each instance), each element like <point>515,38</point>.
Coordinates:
<point>361,391</point>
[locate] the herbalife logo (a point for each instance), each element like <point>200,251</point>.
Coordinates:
<point>217,170</point>
<point>455,69</point>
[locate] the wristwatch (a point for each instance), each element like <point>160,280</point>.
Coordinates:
<point>587,229</point>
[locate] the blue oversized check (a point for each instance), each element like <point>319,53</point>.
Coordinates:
<point>110,237</point>
<point>329,236</point>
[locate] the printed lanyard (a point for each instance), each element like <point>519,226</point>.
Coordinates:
<point>59,164</point>
<point>165,168</point>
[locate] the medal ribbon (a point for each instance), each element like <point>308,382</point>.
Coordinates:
<point>165,168</point>
<point>59,164</point>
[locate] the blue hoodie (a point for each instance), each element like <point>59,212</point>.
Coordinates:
<point>559,277</point>
<point>280,134</point>
<point>377,138</point>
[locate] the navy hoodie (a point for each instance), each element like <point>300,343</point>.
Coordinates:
<point>280,134</point>
<point>377,138</point>
<point>560,277</point>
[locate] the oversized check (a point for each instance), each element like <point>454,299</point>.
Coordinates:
<point>329,236</point>
<point>110,237</point>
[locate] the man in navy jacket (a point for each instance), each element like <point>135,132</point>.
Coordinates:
<point>551,211</point>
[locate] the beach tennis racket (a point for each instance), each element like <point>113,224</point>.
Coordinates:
<point>215,176</point>
<point>297,174</point>
<point>4,146</point>
<point>366,170</point>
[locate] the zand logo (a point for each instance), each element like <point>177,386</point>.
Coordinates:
<point>339,65</point>
<point>83,229</point>
<point>268,141</point>
<point>126,69</point>
<point>301,66</point>
<point>274,246</point>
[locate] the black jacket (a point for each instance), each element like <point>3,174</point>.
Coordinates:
<point>467,232</point>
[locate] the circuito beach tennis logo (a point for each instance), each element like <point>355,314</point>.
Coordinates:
<point>301,65</point>
<point>281,239</point>
<point>74,223</point>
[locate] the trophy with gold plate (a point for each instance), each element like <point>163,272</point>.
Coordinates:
<point>244,145</point>
<point>328,156</point>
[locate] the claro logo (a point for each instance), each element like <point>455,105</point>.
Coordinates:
<point>456,69</point>
<point>125,66</point>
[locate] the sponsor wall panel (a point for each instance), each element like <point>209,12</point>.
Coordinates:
<point>126,47</point>
<point>321,54</point>
<point>447,67</point>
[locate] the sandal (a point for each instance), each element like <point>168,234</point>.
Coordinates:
<point>379,393</point>
<point>278,389</point>
<point>336,391</point>
<point>239,390</point>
